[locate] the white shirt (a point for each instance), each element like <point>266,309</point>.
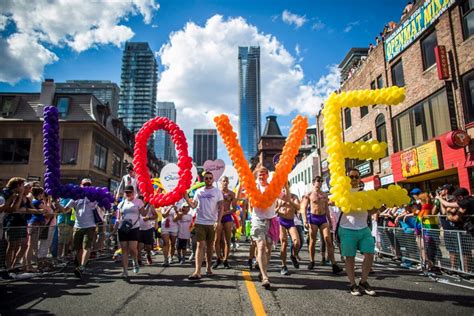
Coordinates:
<point>184,223</point>
<point>168,224</point>
<point>149,224</point>
<point>355,220</point>
<point>84,212</point>
<point>130,211</point>
<point>128,180</point>
<point>207,210</point>
<point>264,213</point>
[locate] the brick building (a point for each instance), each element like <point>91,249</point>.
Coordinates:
<point>93,142</point>
<point>427,134</point>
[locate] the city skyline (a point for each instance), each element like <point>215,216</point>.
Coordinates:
<point>205,145</point>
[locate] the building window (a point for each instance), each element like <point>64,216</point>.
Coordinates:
<point>468,82</point>
<point>347,118</point>
<point>63,106</point>
<point>7,106</point>
<point>467,10</point>
<point>364,110</point>
<point>381,130</point>
<point>100,157</point>
<point>372,85</point>
<point>69,149</point>
<point>422,122</point>
<point>397,74</point>
<point>14,151</point>
<point>379,82</point>
<point>428,45</point>
<point>116,165</point>
<point>322,139</point>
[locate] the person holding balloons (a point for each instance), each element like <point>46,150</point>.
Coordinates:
<point>230,205</point>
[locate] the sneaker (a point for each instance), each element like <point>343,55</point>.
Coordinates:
<point>355,290</point>
<point>165,263</point>
<point>249,264</point>
<point>295,262</point>
<point>136,269</point>
<point>171,260</point>
<point>125,274</point>
<point>323,262</point>
<point>266,284</point>
<point>311,265</point>
<point>226,264</point>
<point>336,269</point>
<point>191,257</point>
<point>182,260</point>
<point>365,287</point>
<point>148,259</point>
<point>284,270</point>
<point>78,273</point>
<point>217,263</point>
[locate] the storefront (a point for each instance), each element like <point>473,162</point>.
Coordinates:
<point>432,164</point>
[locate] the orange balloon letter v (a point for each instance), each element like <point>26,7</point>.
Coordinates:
<point>282,169</point>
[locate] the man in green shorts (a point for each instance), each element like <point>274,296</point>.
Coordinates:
<point>354,235</point>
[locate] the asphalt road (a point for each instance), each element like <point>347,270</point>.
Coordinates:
<point>165,291</point>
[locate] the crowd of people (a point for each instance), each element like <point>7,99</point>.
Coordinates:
<point>208,222</point>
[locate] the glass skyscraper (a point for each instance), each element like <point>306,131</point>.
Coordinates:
<point>138,87</point>
<point>249,99</point>
<point>204,145</point>
<point>164,146</point>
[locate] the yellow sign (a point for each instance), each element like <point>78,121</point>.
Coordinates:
<point>428,158</point>
<point>409,161</point>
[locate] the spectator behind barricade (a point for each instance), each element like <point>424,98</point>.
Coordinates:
<point>47,232</point>
<point>129,179</point>
<point>427,225</point>
<point>65,229</point>
<point>34,226</point>
<point>462,210</point>
<point>10,199</point>
<point>414,194</point>
<point>15,230</point>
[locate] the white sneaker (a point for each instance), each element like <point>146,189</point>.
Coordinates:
<point>171,260</point>
<point>136,269</point>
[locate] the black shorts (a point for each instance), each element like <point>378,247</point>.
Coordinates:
<point>182,244</point>
<point>146,236</point>
<point>132,235</point>
<point>15,233</point>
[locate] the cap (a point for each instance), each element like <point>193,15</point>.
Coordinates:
<point>86,180</point>
<point>129,188</point>
<point>415,191</point>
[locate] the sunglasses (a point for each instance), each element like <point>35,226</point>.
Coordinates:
<point>207,178</point>
<point>320,180</point>
<point>354,177</point>
<point>86,184</point>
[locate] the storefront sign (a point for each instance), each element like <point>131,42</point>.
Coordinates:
<point>365,168</point>
<point>386,165</point>
<point>424,158</point>
<point>458,139</point>
<point>442,62</point>
<point>387,180</point>
<point>411,29</point>
<point>409,162</point>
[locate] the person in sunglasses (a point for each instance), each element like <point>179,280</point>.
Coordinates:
<point>318,218</point>
<point>208,202</point>
<point>354,235</point>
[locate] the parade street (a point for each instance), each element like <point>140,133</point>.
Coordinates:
<point>166,291</point>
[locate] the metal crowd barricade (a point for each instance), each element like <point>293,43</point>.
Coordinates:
<point>449,249</point>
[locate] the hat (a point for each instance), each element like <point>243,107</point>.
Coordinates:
<point>129,188</point>
<point>86,180</point>
<point>185,204</point>
<point>415,191</point>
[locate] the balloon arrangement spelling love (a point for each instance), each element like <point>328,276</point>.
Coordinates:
<point>141,166</point>
<point>282,169</point>
<point>52,161</point>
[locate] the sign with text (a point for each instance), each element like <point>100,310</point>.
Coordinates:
<point>442,62</point>
<point>409,162</point>
<point>422,159</point>
<point>411,29</point>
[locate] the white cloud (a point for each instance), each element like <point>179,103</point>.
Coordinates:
<point>350,26</point>
<point>77,24</point>
<point>201,74</point>
<point>292,18</point>
<point>297,49</point>
<point>318,25</point>
<point>3,22</point>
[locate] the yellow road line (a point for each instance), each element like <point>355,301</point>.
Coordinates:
<point>257,303</point>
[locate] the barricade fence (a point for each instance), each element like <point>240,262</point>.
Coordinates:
<point>41,248</point>
<point>448,248</point>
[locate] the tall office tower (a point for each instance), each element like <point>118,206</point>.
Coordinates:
<point>204,145</point>
<point>249,99</point>
<point>104,90</point>
<point>164,146</point>
<point>138,87</point>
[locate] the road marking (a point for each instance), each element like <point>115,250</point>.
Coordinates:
<point>257,303</point>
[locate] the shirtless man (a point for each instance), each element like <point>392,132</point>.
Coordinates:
<point>286,209</point>
<point>318,218</point>
<point>230,205</point>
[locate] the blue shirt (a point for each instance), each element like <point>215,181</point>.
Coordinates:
<point>37,218</point>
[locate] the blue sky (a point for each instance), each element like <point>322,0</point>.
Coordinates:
<point>302,40</point>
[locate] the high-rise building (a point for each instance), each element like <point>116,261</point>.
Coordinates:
<point>164,146</point>
<point>138,87</point>
<point>249,99</point>
<point>104,90</point>
<point>204,145</point>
